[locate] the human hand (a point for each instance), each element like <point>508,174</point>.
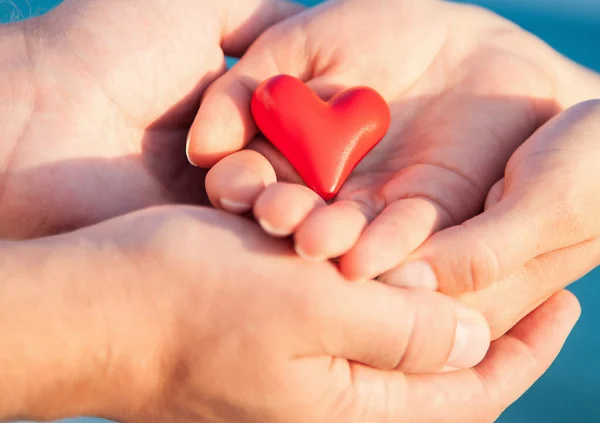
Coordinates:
<point>209,319</point>
<point>539,230</point>
<point>465,88</point>
<point>98,97</point>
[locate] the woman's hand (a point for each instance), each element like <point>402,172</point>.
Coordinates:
<point>465,87</point>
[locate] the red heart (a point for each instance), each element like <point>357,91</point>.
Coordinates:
<point>324,141</point>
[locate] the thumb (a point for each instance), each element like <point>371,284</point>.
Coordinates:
<point>544,204</point>
<point>476,395</point>
<point>245,20</point>
<point>511,367</point>
<point>224,123</point>
<point>516,227</point>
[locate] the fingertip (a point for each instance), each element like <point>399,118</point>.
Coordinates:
<point>191,159</point>
<point>235,182</point>
<point>559,313</point>
<point>233,206</point>
<point>281,207</point>
<point>246,21</point>
<point>572,303</point>
<point>331,231</point>
<point>360,263</point>
<point>224,123</point>
<point>472,341</point>
<point>272,230</point>
<point>306,256</point>
<point>397,231</point>
<point>455,260</point>
<point>417,274</point>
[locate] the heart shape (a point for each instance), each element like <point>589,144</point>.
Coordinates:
<point>323,141</point>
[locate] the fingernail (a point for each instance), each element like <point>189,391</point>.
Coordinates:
<point>187,148</point>
<point>448,369</point>
<point>418,274</point>
<point>234,206</point>
<point>306,256</point>
<point>471,342</point>
<point>271,230</point>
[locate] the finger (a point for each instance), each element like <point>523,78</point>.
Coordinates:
<point>282,207</point>
<point>495,194</point>
<point>512,365</point>
<point>245,20</point>
<point>235,182</point>
<point>283,169</point>
<point>472,256</point>
<point>396,329</point>
<point>544,207</point>
<point>224,123</point>
<point>396,232</point>
<point>505,303</point>
<point>331,231</point>
<point>422,200</point>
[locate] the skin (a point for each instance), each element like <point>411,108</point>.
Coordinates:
<point>102,285</point>
<point>475,89</point>
<point>98,123</point>
<point>540,222</point>
<point>145,299</point>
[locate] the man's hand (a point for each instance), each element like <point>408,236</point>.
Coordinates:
<point>539,231</point>
<point>97,99</point>
<point>207,317</point>
<point>187,315</point>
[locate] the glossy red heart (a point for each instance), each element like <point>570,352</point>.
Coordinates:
<point>324,141</point>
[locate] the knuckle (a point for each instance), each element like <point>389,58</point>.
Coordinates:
<point>430,334</point>
<point>402,341</point>
<point>477,266</point>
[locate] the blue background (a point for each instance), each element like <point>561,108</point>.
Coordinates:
<point>568,392</point>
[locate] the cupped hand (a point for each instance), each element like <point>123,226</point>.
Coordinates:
<point>539,231</point>
<point>207,318</point>
<point>98,101</point>
<point>465,88</point>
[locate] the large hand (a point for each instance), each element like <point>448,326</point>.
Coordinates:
<point>540,229</point>
<point>466,88</point>
<point>208,319</point>
<point>98,99</point>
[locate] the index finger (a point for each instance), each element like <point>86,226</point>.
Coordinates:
<point>224,123</point>
<point>477,395</point>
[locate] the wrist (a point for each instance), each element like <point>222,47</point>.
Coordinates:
<point>59,353</point>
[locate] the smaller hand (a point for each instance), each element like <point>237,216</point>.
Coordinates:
<point>465,89</point>
<point>539,231</point>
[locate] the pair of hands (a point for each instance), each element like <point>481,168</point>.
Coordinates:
<point>100,130</point>
<point>466,105</point>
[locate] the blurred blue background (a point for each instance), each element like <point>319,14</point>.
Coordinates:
<point>568,393</point>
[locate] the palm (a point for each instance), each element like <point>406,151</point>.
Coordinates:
<point>450,141</point>
<point>116,93</point>
<point>462,101</point>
